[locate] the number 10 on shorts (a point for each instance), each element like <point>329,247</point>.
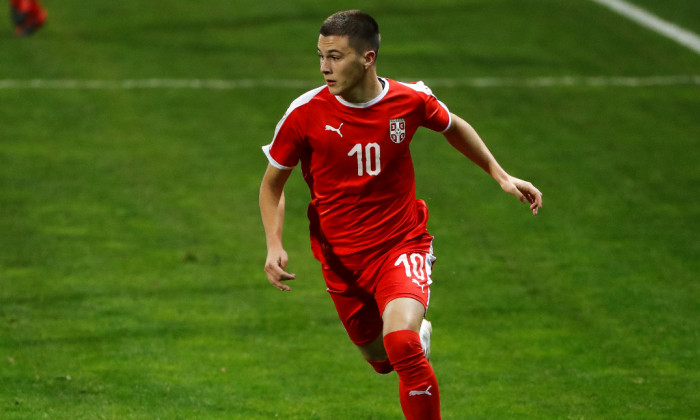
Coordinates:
<point>418,268</point>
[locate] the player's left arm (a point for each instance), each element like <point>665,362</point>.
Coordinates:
<point>462,136</point>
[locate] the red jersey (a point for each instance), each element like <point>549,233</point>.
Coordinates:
<point>356,161</point>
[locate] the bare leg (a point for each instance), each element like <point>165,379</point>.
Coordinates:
<point>399,314</point>
<point>403,314</point>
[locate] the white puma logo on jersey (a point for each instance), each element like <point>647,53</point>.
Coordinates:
<point>419,285</point>
<point>426,392</point>
<point>337,130</point>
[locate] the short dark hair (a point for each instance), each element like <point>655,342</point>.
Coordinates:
<point>360,28</point>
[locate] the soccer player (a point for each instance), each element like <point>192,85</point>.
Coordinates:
<point>27,15</point>
<point>368,230</point>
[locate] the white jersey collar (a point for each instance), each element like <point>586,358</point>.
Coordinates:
<point>379,97</point>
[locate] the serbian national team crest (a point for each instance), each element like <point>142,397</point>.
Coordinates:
<point>397,130</point>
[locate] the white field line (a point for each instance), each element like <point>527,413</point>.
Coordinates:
<point>213,84</point>
<point>654,23</point>
<point>476,82</point>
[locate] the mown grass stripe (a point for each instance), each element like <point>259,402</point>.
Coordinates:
<point>477,82</point>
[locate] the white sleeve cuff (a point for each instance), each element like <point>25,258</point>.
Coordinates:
<point>273,162</point>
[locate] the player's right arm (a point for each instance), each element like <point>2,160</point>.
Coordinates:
<point>271,202</point>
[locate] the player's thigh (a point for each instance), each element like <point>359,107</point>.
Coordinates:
<point>407,274</point>
<point>403,314</point>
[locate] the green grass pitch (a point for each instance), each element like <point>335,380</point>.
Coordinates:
<point>131,251</point>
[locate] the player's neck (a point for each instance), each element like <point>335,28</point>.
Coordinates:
<point>368,89</point>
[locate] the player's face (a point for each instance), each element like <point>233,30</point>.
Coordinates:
<point>342,67</point>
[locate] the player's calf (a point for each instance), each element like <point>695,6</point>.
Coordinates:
<point>418,388</point>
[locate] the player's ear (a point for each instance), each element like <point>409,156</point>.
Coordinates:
<point>370,58</point>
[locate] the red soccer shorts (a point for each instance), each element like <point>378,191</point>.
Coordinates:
<point>361,296</point>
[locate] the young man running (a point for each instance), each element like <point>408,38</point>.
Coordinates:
<point>368,230</point>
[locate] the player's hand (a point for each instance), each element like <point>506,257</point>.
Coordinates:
<point>525,192</point>
<point>275,268</point>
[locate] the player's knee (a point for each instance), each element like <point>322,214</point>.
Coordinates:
<point>404,349</point>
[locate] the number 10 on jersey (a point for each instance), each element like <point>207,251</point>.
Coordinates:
<point>368,159</point>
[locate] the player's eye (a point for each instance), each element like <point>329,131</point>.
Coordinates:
<point>330,57</point>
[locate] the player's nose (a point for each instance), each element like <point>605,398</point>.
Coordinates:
<point>325,68</point>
